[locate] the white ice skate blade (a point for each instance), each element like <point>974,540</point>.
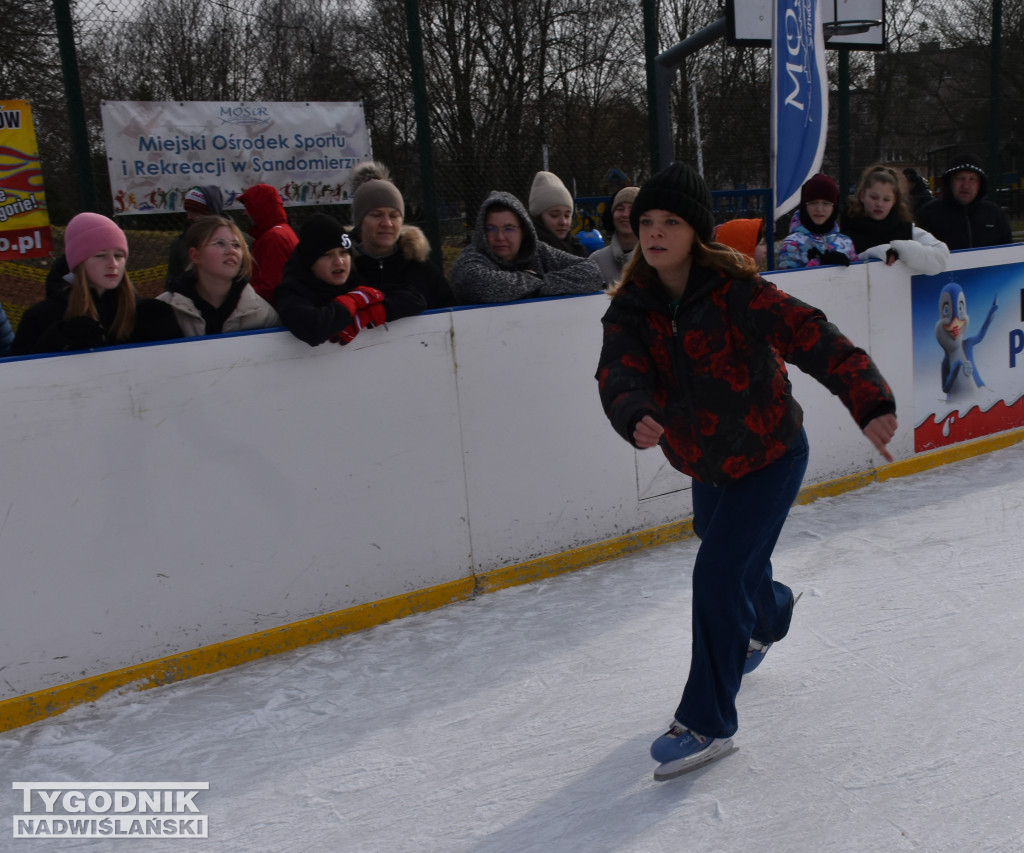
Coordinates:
<point>672,769</point>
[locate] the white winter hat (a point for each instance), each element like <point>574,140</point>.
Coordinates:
<point>547,192</point>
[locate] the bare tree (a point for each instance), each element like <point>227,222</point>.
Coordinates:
<point>305,51</point>
<point>598,112</point>
<point>189,50</point>
<point>508,82</point>
<point>28,63</point>
<point>30,70</point>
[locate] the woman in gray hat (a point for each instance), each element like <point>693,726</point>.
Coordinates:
<point>391,255</point>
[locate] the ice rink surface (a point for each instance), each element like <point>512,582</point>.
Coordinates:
<point>889,720</point>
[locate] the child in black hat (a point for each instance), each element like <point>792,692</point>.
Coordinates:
<point>693,361</point>
<point>321,298</point>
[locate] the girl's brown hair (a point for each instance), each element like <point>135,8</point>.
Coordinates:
<point>80,304</point>
<point>718,256</point>
<point>879,173</point>
<point>200,233</point>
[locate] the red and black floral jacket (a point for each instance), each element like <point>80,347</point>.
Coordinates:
<point>712,371</point>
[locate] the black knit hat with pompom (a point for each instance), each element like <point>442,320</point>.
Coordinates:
<point>679,190</point>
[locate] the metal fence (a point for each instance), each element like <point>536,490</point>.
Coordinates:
<point>507,89</point>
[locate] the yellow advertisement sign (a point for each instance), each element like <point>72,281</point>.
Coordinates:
<point>24,221</point>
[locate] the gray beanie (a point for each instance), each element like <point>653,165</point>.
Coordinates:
<point>547,192</point>
<point>372,188</point>
<point>679,190</point>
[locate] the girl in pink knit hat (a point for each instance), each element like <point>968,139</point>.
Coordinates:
<point>98,307</point>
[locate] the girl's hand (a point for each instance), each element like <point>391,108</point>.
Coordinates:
<point>648,432</point>
<point>879,432</point>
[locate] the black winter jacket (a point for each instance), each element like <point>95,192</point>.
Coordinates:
<point>407,275</point>
<point>307,307</point>
<point>972,226</point>
<point>43,327</point>
<point>570,244</point>
<point>867,232</point>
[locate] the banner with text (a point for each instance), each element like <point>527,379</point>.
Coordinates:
<point>157,150</point>
<point>799,99</point>
<point>24,220</point>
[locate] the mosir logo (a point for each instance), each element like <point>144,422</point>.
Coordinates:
<point>245,114</point>
<point>110,810</point>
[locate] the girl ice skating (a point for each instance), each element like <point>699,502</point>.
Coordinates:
<point>693,361</point>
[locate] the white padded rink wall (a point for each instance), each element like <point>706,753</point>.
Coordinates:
<point>160,499</point>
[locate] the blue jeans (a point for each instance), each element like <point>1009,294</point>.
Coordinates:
<point>735,597</point>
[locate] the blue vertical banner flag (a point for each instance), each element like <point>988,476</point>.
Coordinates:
<point>799,98</point>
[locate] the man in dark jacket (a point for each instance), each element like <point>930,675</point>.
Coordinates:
<point>962,217</point>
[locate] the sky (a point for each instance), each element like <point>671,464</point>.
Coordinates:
<point>888,720</point>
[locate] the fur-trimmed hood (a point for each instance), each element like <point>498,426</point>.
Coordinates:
<point>407,276</point>
<point>413,245</point>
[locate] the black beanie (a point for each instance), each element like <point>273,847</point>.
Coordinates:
<point>680,190</point>
<point>318,235</point>
<point>964,163</point>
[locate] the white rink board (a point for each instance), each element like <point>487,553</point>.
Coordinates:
<point>169,497</point>
<point>159,499</point>
<point>544,470</point>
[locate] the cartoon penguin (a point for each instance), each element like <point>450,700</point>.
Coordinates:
<point>949,331</point>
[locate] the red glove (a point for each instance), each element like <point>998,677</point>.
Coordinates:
<point>346,335</point>
<point>361,297</point>
<point>372,315</point>
<point>366,295</point>
<point>366,306</point>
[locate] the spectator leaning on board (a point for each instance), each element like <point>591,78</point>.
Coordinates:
<point>505,261</point>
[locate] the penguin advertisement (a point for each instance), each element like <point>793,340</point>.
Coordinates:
<point>968,331</point>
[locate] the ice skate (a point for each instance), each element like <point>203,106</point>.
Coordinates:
<point>755,654</point>
<point>757,650</point>
<point>681,751</point>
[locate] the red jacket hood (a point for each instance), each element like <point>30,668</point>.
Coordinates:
<point>265,208</point>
